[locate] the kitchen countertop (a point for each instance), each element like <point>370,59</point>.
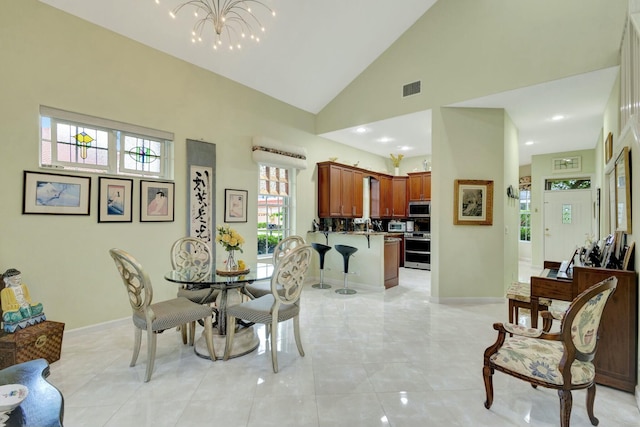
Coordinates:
<point>360,233</point>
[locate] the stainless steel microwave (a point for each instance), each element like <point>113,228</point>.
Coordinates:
<point>420,209</point>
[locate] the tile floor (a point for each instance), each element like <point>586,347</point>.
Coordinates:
<point>378,358</point>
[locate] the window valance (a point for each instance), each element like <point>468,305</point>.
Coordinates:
<point>267,151</point>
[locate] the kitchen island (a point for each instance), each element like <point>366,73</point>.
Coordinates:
<point>366,266</point>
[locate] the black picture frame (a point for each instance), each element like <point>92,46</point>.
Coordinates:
<point>115,200</point>
<point>235,205</point>
<point>157,201</point>
<point>55,194</point>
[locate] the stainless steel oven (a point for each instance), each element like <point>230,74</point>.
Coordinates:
<point>417,250</point>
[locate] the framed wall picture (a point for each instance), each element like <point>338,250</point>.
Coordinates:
<point>55,194</point>
<point>623,191</point>
<point>473,202</point>
<point>235,205</point>
<point>115,198</point>
<point>608,148</point>
<point>156,201</point>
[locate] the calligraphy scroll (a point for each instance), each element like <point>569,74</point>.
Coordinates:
<point>201,192</point>
<point>201,182</point>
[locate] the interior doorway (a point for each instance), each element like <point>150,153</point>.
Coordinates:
<point>567,222</point>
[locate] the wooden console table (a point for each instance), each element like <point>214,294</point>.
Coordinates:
<point>617,356</point>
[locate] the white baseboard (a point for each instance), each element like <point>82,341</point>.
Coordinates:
<point>467,300</point>
<point>99,326</point>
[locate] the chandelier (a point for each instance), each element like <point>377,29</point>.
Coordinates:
<point>232,20</point>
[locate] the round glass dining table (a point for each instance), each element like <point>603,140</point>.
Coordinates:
<point>230,286</point>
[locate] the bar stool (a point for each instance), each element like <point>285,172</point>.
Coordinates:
<point>346,252</point>
<point>321,249</point>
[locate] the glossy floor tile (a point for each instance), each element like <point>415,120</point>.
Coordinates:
<point>377,358</point>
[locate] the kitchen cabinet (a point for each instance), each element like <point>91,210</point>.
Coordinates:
<point>340,192</point>
<point>391,262</point>
<point>399,195</point>
<point>419,186</point>
<point>380,195</point>
<point>400,237</point>
<point>388,197</point>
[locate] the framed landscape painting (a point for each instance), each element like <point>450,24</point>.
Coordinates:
<point>55,194</point>
<point>115,200</point>
<point>473,202</point>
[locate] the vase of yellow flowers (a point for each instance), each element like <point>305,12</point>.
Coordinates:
<point>231,241</point>
<point>396,163</point>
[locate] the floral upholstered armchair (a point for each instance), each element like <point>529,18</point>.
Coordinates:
<point>562,361</point>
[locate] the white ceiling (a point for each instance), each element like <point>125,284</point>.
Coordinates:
<point>310,53</point>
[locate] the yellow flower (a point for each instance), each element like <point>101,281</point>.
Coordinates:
<point>229,238</point>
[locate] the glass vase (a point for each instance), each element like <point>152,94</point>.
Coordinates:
<point>231,264</point>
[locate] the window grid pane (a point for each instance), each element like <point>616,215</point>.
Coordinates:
<point>76,146</point>
<point>273,209</point>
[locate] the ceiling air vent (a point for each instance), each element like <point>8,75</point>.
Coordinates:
<point>411,89</point>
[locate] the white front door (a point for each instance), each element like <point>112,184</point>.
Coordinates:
<point>568,221</point>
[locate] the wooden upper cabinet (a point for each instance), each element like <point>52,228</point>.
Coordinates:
<point>386,198</point>
<point>329,190</point>
<point>358,194</point>
<point>399,194</point>
<point>420,186</point>
<point>340,192</point>
<point>389,197</point>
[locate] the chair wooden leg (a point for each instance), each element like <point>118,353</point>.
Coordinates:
<point>183,332</point>
<point>487,373</point>
<point>192,332</point>
<point>231,330</point>
<point>137,341</point>
<point>208,335</point>
<point>566,401</point>
<point>151,354</point>
<point>512,307</point>
<point>296,333</point>
<point>274,344</point>
<point>591,397</point>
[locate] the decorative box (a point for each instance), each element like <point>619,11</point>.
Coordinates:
<point>43,340</point>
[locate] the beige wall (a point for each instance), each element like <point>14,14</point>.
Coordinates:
<point>67,63</point>
<point>464,49</point>
<point>467,258</point>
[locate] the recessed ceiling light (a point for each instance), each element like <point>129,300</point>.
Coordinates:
<point>528,143</point>
<point>403,148</point>
<point>385,139</point>
<point>557,117</point>
<point>361,130</point>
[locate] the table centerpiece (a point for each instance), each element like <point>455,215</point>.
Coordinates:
<point>231,241</point>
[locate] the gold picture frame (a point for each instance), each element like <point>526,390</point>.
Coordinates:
<point>623,191</point>
<point>608,148</point>
<point>473,202</point>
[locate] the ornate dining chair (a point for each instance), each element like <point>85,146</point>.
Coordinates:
<point>193,255</point>
<point>156,317</point>
<point>278,306</point>
<point>259,289</point>
<point>562,361</point>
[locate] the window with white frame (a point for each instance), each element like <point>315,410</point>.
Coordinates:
<point>79,142</point>
<point>274,216</point>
